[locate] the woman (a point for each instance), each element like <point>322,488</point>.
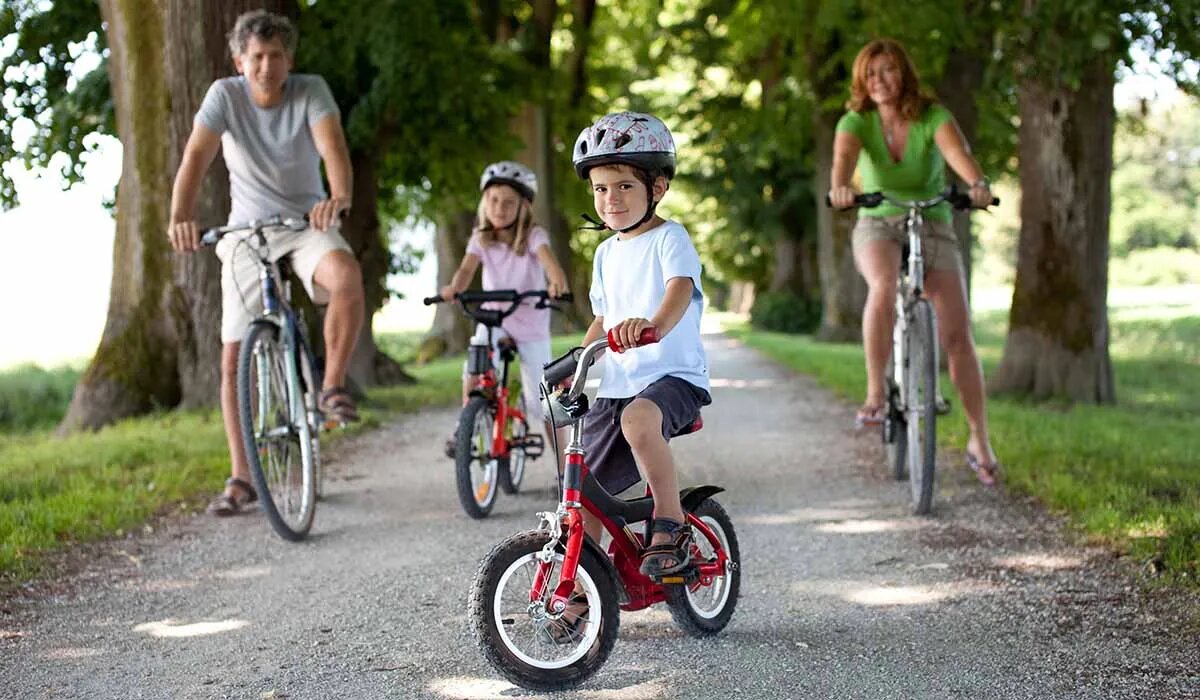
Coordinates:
<point>900,139</point>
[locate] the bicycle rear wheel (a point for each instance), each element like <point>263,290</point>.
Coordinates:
<point>512,470</point>
<point>275,431</point>
<point>921,405</point>
<point>895,436</point>
<point>476,471</point>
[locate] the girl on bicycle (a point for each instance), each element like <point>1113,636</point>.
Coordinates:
<point>901,140</point>
<point>515,254</point>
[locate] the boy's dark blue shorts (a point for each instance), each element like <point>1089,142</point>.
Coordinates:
<point>606,451</point>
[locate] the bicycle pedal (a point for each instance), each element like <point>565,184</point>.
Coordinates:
<point>534,446</point>
<point>943,406</point>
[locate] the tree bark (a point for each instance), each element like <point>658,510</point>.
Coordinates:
<point>450,331</point>
<point>161,342</point>
<point>957,91</point>
<point>1057,343</point>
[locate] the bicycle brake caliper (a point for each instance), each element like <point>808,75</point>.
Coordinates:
<point>551,522</point>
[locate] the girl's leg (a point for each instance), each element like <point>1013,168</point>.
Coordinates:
<point>879,263</point>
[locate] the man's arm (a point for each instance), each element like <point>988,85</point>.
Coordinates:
<point>198,154</point>
<point>331,144</point>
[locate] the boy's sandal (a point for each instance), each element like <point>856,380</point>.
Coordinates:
<point>562,630</point>
<point>988,473</point>
<point>338,406</point>
<point>678,551</point>
<point>870,414</point>
<point>225,505</point>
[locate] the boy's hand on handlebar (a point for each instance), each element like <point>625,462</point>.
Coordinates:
<point>184,236</point>
<point>841,197</point>
<point>627,332</point>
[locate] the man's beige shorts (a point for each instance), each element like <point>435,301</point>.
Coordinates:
<point>939,245</point>
<point>241,295</point>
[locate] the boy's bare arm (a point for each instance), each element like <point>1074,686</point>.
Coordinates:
<point>674,304</point>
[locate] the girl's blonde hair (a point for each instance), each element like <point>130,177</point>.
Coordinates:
<point>522,227</point>
<point>913,102</point>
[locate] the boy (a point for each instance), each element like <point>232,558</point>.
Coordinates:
<point>647,275</point>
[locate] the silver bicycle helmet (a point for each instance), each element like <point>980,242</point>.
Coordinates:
<point>513,174</point>
<point>628,138</point>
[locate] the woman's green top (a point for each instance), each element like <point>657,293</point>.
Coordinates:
<point>920,172</point>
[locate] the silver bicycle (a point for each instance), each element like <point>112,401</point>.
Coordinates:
<point>278,384</point>
<point>914,399</point>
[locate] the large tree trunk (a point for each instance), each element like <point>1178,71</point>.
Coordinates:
<point>450,331</point>
<point>1057,342</point>
<point>843,290</point>
<point>161,344</point>
<point>957,90</point>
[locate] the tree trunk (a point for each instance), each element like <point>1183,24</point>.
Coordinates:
<point>450,331</point>
<point>161,342</point>
<point>843,290</point>
<point>957,90</point>
<point>1057,342</point>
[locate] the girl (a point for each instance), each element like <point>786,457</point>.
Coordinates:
<point>515,254</point>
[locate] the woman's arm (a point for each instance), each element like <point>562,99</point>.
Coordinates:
<point>954,149</point>
<point>555,277</point>
<point>846,148</point>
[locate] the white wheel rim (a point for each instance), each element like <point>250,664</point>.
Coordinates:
<point>483,472</point>
<point>516,608</point>
<point>709,601</point>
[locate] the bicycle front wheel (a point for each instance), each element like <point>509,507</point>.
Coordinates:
<point>921,405</point>
<point>275,431</point>
<point>476,471</point>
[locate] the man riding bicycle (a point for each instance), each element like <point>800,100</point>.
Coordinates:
<point>275,130</point>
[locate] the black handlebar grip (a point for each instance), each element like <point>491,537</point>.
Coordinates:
<point>558,370</point>
<point>433,300</point>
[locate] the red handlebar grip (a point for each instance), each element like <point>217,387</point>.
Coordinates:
<point>648,335</point>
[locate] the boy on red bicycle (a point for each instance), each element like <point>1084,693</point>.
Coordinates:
<point>647,275</point>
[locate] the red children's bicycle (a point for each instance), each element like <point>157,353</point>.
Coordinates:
<point>492,442</point>
<point>545,604</point>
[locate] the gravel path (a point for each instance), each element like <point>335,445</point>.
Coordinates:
<point>844,595</point>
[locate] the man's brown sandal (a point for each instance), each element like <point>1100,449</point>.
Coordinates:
<point>226,505</point>
<point>338,407</point>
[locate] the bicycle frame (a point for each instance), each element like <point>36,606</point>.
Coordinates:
<point>910,287</point>
<point>580,492</point>
<point>488,386</point>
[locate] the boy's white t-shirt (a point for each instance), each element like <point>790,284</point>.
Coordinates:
<point>629,280</point>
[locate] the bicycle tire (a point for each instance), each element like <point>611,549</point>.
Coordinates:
<point>684,601</point>
<point>893,430</point>
<point>512,469</point>
<point>286,484</point>
<point>473,442</point>
<point>311,381</point>
<point>921,409</point>
<point>498,633</point>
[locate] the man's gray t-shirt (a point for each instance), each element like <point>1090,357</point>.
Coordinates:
<point>274,166</point>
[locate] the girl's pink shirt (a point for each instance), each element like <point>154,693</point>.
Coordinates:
<point>504,269</point>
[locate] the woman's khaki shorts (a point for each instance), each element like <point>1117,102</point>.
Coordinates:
<point>939,245</point>
<point>241,296</point>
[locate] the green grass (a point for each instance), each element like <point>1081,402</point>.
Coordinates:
<point>1128,475</point>
<point>32,397</point>
<point>57,491</point>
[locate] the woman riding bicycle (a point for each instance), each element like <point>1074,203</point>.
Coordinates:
<point>901,140</point>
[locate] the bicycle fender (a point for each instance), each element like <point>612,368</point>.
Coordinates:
<point>606,562</point>
<point>693,496</point>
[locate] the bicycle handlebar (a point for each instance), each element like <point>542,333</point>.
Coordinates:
<point>957,199</point>
<point>578,360</point>
<point>212,235</point>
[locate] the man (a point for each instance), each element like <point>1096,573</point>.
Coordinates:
<point>275,129</point>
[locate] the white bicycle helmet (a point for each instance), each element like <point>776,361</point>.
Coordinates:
<point>513,174</point>
<point>630,138</point>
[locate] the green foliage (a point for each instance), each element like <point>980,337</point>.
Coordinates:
<point>1124,474</point>
<point>785,312</point>
<point>44,98</point>
<point>32,397</point>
